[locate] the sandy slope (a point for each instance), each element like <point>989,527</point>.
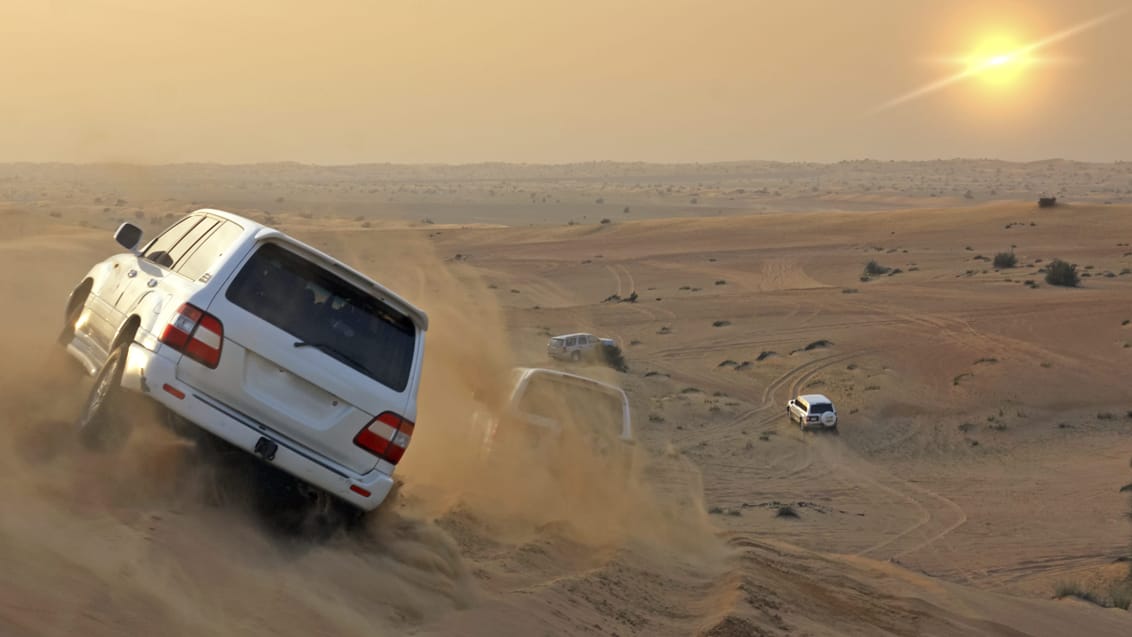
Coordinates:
<point>952,502</point>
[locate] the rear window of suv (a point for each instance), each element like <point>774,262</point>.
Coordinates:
<point>820,408</point>
<point>324,311</point>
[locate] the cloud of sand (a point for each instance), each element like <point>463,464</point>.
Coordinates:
<point>138,541</point>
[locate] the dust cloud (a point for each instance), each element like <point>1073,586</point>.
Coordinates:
<point>159,537</point>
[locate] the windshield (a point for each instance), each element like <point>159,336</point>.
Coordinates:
<point>322,310</point>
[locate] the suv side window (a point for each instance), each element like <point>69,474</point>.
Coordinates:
<point>158,250</point>
<point>192,237</point>
<point>209,251</point>
<point>572,341</point>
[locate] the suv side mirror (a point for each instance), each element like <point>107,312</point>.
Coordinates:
<point>128,236</point>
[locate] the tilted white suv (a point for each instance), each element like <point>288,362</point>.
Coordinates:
<point>261,340</point>
<point>812,410</point>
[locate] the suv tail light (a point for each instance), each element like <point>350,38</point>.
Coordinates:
<point>386,437</point>
<point>196,334</point>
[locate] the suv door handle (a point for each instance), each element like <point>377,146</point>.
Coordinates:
<point>132,273</point>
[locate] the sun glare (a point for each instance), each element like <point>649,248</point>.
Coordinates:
<point>997,61</point>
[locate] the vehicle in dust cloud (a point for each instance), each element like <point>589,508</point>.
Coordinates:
<point>543,409</point>
<point>258,339</point>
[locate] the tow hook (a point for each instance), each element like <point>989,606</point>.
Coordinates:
<point>265,448</point>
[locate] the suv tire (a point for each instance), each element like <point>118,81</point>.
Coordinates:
<point>101,424</point>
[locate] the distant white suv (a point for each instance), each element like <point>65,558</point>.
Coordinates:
<point>259,339</point>
<point>575,347</point>
<point>812,410</point>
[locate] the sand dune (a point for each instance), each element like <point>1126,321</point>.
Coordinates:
<point>984,439</point>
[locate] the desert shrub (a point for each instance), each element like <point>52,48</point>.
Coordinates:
<point>872,268</point>
<point>721,323</point>
<point>605,222</point>
<point>1005,260</point>
<point>1062,273</point>
<point>786,512</point>
<point>615,358</point>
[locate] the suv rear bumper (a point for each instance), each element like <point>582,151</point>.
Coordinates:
<point>154,375</point>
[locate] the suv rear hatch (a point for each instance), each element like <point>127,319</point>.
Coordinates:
<point>312,355</point>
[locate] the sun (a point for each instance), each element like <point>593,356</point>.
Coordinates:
<point>998,61</point>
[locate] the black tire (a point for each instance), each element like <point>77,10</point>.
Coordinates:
<point>102,425</point>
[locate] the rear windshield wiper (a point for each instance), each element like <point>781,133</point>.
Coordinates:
<point>336,353</point>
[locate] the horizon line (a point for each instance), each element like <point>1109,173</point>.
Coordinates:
<point>552,163</point>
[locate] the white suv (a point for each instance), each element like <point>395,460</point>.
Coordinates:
<point>575,347</point>
<point>261,340</point>
<point>812,409</point>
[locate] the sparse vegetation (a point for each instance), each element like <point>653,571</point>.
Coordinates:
<point>872,268</point>
<point>1062,273</point>
<point>721,323</point>
<point>1004,260</point>
<point>615,358</point>
<point>786,511</point>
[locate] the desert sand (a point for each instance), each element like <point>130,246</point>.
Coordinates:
<point>985,425</point>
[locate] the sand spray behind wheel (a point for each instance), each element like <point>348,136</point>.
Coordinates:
<point>587,481</point>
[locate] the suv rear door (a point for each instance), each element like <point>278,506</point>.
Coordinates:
<point>309,354</point>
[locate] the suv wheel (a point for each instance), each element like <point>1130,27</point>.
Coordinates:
<point>575,356</point>
<point>101,425</point>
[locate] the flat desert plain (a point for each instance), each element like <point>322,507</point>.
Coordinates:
<point>985,424</point>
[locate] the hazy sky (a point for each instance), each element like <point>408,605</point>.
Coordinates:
<point>342,81</point>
